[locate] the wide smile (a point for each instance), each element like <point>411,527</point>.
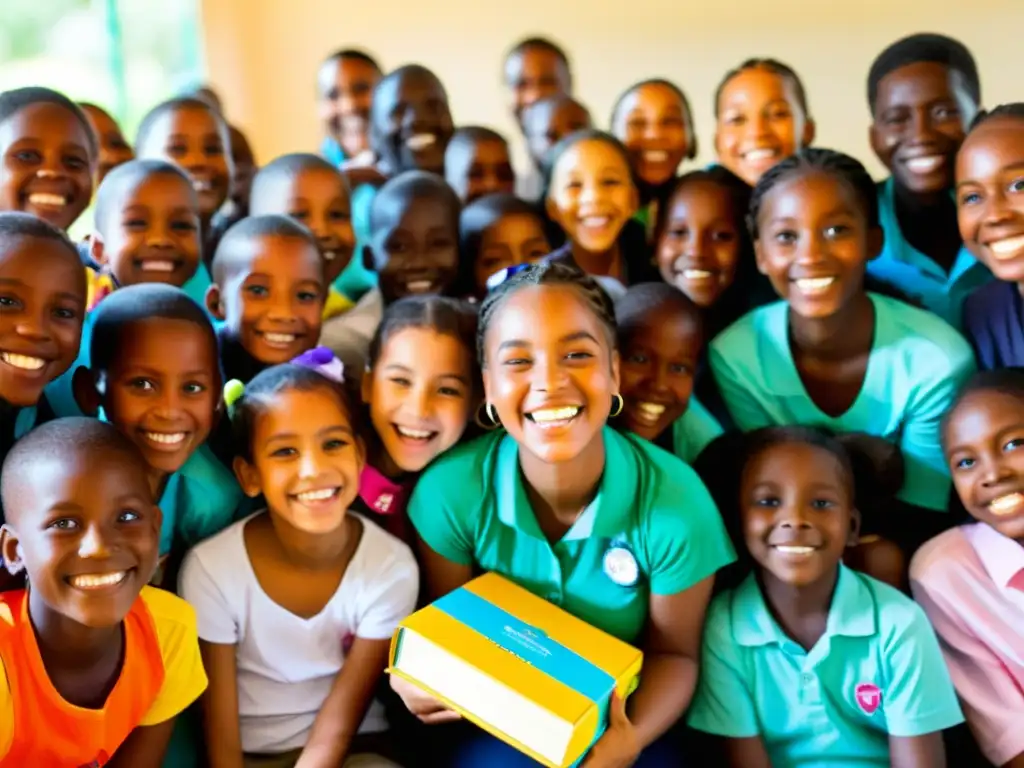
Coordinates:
<point>318,497</point>
<point>99,582</point>
<point>555,417</point>
<point>794,551</point>
<point>414,437</point>
<point>28,364</point>
<point>1006,505</point>
<point>648,413</point>
<point>924,165</point>
<point>165,442</point>
<point>420,142</point>
<point>48,201</point>
<point>1007,248</point>
<point>278,340</point>
<point>655,156</point>
<point>158,266</point>
<point>814,286</point>
<point>760,156</point>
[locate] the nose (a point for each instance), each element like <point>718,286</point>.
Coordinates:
<point>346,103</point>
<point>418,403</point>
<point>33,325</point>
<point>994,472</point>
<point>790,516</point>
<point>280,306</point>
<point>757,126</point>
<point>921,125</point>
<point>549,376</point>
<point>309,466</point>
<point>93,543</point>
<point>159,236</point>
<point>997,208</point>
<point>169,405</point>
<point>659,382</point>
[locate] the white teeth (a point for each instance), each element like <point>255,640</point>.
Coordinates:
<point>1008,248</point>
<point>1004,505</point>
<point>279,338</point>
<point>555,415</point>
<point>814,284</point>
<point>415,434</point>
<point>794,550</point>
<point>420,141</point>
<point>157,266</point>
<point>696,274</point>
<point>24,362</point>
<point>322,495</point>
<point>47,200</point>
<point>756,155</point>
<point>656,156</point>
<point>596,221</point>
<point>201,185</point>
<point>419,286</point>
<point>165,438</point>
<point>650,412</point>
<point>97,580</point>
<point>330,255</point>
<point>925,164</point>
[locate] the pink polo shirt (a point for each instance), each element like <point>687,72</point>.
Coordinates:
<point>970,582</point>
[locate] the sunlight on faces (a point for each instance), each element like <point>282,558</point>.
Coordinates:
<point>990,196</point>
<point>412,123</point>
<point>45,166</point>
<point>550,371</point>
<point>42,307</point>
<point>797,512</point>
<point>114,148</point>
<point>162,389</point>
<point>86,532</point>
<point>984,445</point>
<point>592,195</point>
<point>660,355</point>
<point>651,121</point>
<point>699,247</point>
<point>515,239</point>
<point>478,168</point>
<point>760,122</point>
<point>306,459</point>
<point>532,74</point>
<point>420,394</point>
<point>814,243</point>
<point>151,234</point>
<point>921,112</point>
<point>346,92</point>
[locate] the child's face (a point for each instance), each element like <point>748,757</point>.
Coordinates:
<point>46,169</point>
<point>814,243</point>
<point>417,252</point>
<point>318,198</point>
<point>346,91</point>
<point>550,371</point>
<point>153,234</point>
<point>114,149</point>
<point>306,460</point>
<point>511,240</point>
<point>87,534</point>
<point>273,305</point>
<point>42,306</point>
<point>162,390</point>
<point>653,124</point>
<point>192,138</point>
<point>420,394</point>
<point>700,245</point>
<point>760,122</point>
<point>983,439</point>
<point>592,195</point>
<point>533,74</point>
<point>546,125</point>
<point>660,355</point>
<point>921,112</point>
<point>413,124</point>
<point>990,196</point>
<point>797,512</point>
<point>479,168</point>
<point>244,168</point>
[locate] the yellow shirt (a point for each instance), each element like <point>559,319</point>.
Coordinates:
<point>337,303</point>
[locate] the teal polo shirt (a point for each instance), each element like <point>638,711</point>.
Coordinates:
<point>915,368</point>
<point>471,508</point>
<point>197,285</point>
<point>876,672</point>
<point>916,275</point>
<point>692,431</point>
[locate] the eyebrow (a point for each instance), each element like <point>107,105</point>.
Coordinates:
<point>568,338</point>
<point>293,435</point>
<point>153,371</point>
<point>399,368</point>
<point>62,295</point>
<point>1018,166</point>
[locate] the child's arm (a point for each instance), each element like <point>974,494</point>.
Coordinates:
<point>927,751</point>
<point>220,706</point>
<point>146,745</point>
<point>346,705</point>
<point>746,753</point>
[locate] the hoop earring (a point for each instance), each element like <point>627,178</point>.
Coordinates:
<point>617,405</point>
<point>491,422</point>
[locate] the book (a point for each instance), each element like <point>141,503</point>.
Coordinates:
<point>519,667</point>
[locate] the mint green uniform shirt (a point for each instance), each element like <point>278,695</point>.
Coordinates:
<point>877,671</point>
<point>692,431</point>
<point>471,507</point>
<point>916,366</point>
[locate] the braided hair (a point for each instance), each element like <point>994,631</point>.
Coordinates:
<point>1014,110</point>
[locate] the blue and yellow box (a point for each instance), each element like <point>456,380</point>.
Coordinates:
<point>521,668</point>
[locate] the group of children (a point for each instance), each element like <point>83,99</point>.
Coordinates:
<point>257,416</point>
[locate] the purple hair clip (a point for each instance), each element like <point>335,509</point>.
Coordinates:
<point>323,361</point>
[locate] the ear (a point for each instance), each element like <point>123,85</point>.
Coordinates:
<point>10,550</point>
<point>810,131</point>
<point>214,302</point>
<point>368,259</point>
<point>366,385</point>
<point>875,242</point>
<point>86,390</point>
<point>854,538</point>
<point>96,251</point>
<point>248,477</point>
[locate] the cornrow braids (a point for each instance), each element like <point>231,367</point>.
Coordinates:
<point>547,273</point>
<point>1014,110</point>
<point>770,65</point>
<point>843,167</point>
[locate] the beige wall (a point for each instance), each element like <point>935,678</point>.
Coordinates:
<point>263,54</point>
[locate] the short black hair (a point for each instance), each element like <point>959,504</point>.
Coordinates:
<point>570,141</point>
<point>925,47</point>
<point>411,185</point>
<point>19,98</point>
<point>544,44</point>
<point>444,315</point>
<point>481,214</point>
<point>352,54</point>
<point>1007,381</point>
<point>691,130</point>
<point>641,299</point>
<point>406,70</point>
<point>288,165</point>
<point>251,228</point>
<point>1013,110</point>
<point>770,65</point>
<point>181,102</point>
<point>15,226</point>
<point>473,134</point>
<point>847,169</point>
<point>133,304</point>
<point>109,196</point>
<point>737,189</point>
<point>548,273</point>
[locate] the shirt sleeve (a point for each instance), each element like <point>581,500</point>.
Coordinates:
<point>693,431</point>
<point>439,513</point>
<point>919,697</point>
<point>391,595</point>
<point>737,386</point>
<point>184,676</point>
<point>723,704</point>
<point>993,703</point>
<point>215,616</point>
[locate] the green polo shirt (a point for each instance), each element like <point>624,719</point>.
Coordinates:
<point>693,431</point>
<point>877,671</point>
<point>471,507</point>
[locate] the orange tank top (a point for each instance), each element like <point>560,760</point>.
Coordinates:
<point>51,733</point>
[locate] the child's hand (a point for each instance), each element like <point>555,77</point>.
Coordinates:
<point>618,746</point>
<point>428,709</point>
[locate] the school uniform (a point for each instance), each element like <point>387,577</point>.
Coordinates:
<point>691,433</point>
<point>915,274</point>
<point>994,325</point>
<point>331,151</point>
<point>915,368</point>
<point>876,672</point>
<point>356,280</point>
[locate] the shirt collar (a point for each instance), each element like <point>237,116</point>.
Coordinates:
<point>1002,557</point>
<point>606,516</point>
<point>382,494</point>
